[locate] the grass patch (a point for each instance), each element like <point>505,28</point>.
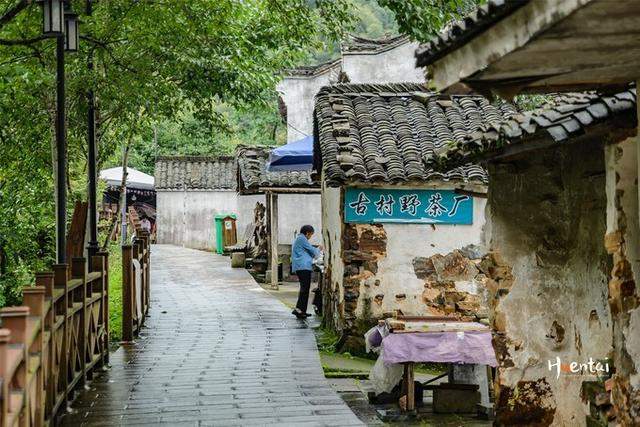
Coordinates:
<point>115,292</point>
<point>338,367</point>
<point>327,340</point>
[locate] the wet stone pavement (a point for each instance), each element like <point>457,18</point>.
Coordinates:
<point>217,350</point>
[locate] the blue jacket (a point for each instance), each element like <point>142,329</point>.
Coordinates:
<point>302,254</point>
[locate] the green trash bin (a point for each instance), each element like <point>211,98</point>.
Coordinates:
<point>220,230</point>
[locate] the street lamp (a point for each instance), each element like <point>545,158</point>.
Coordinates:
<point>52,17</point>
<point>71,33</point>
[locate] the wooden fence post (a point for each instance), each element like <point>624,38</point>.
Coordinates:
<point>127,293</point>
<point>33,297</point>
<point>46,281</point>
<point>5,337</point>
<point>146,237</point>
<point>16,320</point>
<point>99,264</point>
<point>105,303</point>
<point>61,281</point>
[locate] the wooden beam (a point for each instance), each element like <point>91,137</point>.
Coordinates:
<point>274,239</point>
<point>507,35</point>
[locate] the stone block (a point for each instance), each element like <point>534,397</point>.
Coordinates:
<point>237,260</point>
<point>455,399</point>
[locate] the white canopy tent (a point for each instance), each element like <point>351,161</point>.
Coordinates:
<point>135,178</point>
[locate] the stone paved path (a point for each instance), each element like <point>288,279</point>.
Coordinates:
<point>217,350</point>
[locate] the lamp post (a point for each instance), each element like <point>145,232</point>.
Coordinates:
<point>54,23</point>
<point>92,158</point>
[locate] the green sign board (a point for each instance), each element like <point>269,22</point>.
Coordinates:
<point>371,205</point>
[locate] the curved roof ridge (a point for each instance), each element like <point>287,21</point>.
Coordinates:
<point>313,70</point>
<point>358,44</point>
<point>374,88</point>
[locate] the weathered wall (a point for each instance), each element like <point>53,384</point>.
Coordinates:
<point>623,243</point>
<point>332,226</point>
<point>407,274</point>
<point>396,65</point>
<point>548,281</point>
<point>416,268</point>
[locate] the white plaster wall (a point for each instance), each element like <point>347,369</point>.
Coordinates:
<point>408,241</point>
<point>169,216</point>
<point>246,205</point>
<point>296,210</point>
<point>186,218</point>
<point>298,94</point>
<point>393,66</point>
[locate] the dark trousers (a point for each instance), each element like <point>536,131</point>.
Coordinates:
<point>303,295</point>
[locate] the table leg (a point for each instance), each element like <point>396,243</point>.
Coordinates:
<point>411,400</point>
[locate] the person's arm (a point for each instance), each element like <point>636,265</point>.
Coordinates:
<point>314,252</point>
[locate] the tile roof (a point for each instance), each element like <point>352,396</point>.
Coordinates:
<point>391,133</point>
<point>252,172</point>
<point>195,173</point>
<point>458,33</point>
<point>361,45</point>
<point>561,118</point>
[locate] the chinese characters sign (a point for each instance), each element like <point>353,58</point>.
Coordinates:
<point>370,205</point>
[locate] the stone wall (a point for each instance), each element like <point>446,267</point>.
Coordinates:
<point>547,281</point>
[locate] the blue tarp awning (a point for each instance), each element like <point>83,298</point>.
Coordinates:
<point>295,156</point>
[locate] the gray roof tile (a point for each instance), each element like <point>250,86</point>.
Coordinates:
<point>563,117</point>
<point>195,173</point>
<point>253,174</point>
<point>392,133</point>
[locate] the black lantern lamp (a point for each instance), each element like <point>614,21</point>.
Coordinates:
<point>71,33</point>
<point>52,17</point>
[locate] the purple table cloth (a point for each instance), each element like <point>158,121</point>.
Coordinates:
<point>472,347</point>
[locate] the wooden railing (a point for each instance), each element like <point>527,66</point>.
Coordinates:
<point>135,284</point>
<point>55,342</point>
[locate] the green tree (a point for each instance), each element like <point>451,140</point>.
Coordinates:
<point>422,19</point>
<point>154,61</point>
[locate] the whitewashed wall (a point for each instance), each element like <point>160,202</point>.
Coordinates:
<point>396,65</point>
<point>298,94</point>
<point>186,218</point>
<point>332,239</point>
<point>296,210</point>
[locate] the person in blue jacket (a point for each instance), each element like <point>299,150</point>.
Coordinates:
<point>302,255</point>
